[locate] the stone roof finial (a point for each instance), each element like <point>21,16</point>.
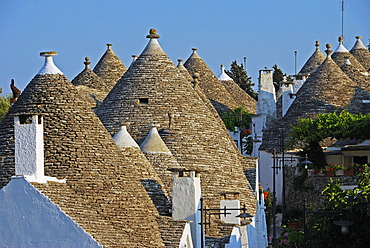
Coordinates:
<point>109,46</point>
<point>328,51</point>
<point>180,60</point>
<point>317,45</point>
<point>49,66</point>
<point>340,39</point>
<point>358,37</point>
<point>153,34</point>
<point>87,63</point>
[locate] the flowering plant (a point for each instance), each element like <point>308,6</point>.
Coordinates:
<point>334,167</point>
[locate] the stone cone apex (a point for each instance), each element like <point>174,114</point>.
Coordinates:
<point>360,52</point>
<point>124,139</point>
<point>313,62</point>
<point>223,76</point>
<point>110,68</point>
<point>49,67</point>
<point>211,86</point>
<point>341,48</point>
<point>153,143</point>
<point>153,46</point>
<point>358,44</point>
<point>340,54</point>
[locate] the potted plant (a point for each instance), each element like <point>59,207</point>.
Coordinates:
<point>334,170</point>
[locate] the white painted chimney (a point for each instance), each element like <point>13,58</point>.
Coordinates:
<point>186,195</point>
<point>287,95</point>
<point>266,104</point>
<point>29,146</point>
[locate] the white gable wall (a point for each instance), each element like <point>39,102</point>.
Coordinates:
<point>29,219</point>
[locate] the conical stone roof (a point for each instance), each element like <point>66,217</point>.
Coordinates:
<point>110,68</point>
<point>327,89</point>
<point>241,98</point>
<point>90,85</point>
<point>362,79</point>
<point>313,62</point>
<point>103,193</point>
<point>360,52</point>
<point>211,86</point>
<point>340,54</point>
<point>155,92</point>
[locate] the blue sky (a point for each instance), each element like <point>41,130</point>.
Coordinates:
<point>267,32</point>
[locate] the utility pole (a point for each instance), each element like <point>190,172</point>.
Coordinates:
<point>342,18</point>
<point>295,62</point>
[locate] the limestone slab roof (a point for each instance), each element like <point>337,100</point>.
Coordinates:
<point>360,52</point>
<point>313,62</point>
<point>171,231</point>
<point>212,87</point>
<point>242,98</point>
<point>339,56</point>
<point>103,194</point>
<point>90,85</point>
<point>327,89</point>
<point>184,71</point>
<point>110,68</point>
<point>152,89</point>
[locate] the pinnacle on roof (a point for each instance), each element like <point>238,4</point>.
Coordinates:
<point>153,143</point>
<point>341,52</point>
<point>110,68</point>
<point>78,148</point>
<point>341,48</point>
<point>360,52</point>
<point>223,76</point>
<point>208,82</point>
<point>313,62</point>
<point>155,92</point>
<point>49,67</point>
<point>124,139</point>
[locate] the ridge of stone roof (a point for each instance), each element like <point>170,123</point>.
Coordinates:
<point>242,98</point>
<point>314,61</point>
<point>211,86</point>
<point>360,52</point>
<point>110,68</point>
<point>100,183</point>
<point>183,70</point>
<point>327,89</point>
<point>339,56</point>
<point>155,92</point>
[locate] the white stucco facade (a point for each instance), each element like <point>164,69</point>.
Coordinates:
<point>186,195</point>
<point>29,219</point>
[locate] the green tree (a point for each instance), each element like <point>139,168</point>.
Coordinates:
<point>4,104</point>
<point>309,132</point>
<point>239,75</point>
<point>350,205</point>
<point>278,76</point>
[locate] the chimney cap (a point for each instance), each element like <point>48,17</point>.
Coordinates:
<point>192,168</point>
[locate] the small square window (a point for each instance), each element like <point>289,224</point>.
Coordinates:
<point>143,100</point>
<point>25,119</point>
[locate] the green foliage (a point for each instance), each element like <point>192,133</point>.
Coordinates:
<point>350,205</point>
<point>237,118</point>
<point>4,105</point>
<point>278,76</point>
<point>341,125</point>
<point>239,75</point>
